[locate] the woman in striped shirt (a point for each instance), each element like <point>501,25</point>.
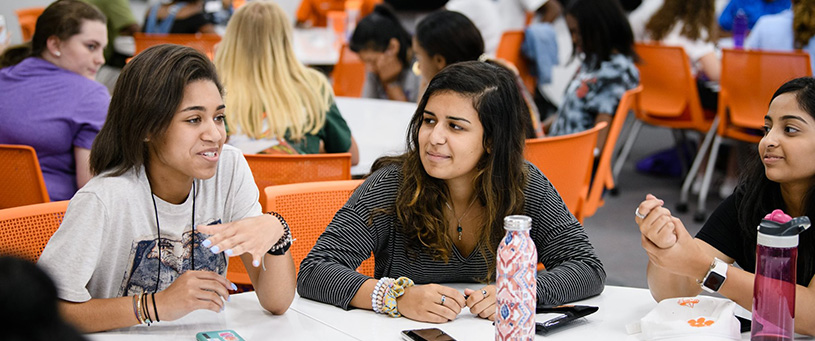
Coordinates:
<point>434,214</point>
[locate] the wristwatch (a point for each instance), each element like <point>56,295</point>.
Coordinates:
<point>715,276</point>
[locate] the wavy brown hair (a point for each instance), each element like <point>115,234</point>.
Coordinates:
<point>695,16</point>
<point>803,22</point>
<point>501,174</point>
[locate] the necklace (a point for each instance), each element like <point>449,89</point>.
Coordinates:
<point>458,228</point>
<point>158,240</point>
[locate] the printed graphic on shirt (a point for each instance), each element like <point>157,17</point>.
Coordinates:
<point>176,258</point>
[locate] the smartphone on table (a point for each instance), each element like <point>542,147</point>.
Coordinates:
<point>219,335</point>
<point>427,334</point>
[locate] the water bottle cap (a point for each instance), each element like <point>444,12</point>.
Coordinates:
<point>793,227</point>
<point>517,223</point>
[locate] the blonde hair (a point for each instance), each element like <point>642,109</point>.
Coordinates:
<point>263,79</point>
<point>803,22</point>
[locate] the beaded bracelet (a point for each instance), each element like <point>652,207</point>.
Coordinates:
<point>396,290</point>
<point>285,240</point>
<point>378,295</point>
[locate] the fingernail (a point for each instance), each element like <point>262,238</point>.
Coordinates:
<point>256,263</point>
<point>229,298</point>
<point>206,243</point>
<point>235,287</point>
<point>222,308</point>
<point>215,249</point>
<point>228,252</point>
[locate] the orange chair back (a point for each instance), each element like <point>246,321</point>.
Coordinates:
<point>348,74</point>
<point>308,208</point>
<point>27,17</point>
<point>25,230</point>
<point>509,49</point>
<point>749,78</point>
<point>204,42</point>
<point>22,182</point>
<point>603,178</point>
<point>669,97</point>
<point>273,170</point>
<point>567,162</point>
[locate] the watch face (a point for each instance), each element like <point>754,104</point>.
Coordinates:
<point>713,281</point>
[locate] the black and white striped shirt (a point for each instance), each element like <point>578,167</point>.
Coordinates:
<point>327,274</point>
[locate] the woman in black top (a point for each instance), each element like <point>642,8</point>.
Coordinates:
<point>434,214</point>
<point>678,262</point>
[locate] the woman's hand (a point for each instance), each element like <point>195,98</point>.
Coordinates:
<point>667,241</point>
<point>255,235</point>
<point>482,302</point>
<point>191,291</point>
<point>657,226</point>
<point>388,67</point>
<point>430,303</point>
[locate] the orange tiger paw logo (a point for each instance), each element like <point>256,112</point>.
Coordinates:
<point>688,302</point>
<point>700,322</point>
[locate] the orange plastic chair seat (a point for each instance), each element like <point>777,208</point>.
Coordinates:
<point>22,182</point>
<point>204,42</point>
<point>25,230</point>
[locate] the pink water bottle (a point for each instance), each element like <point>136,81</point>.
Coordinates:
<point>517,281</point>
<point>774,287</point>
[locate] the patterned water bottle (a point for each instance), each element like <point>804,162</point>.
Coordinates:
<point>516,280</point>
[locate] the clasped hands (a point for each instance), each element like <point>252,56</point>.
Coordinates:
<point>438,304</point>
<point>665,239</point>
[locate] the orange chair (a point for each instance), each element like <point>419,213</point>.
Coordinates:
<point>603,177</point>
<point>25,230</point>
<point>273,170</point>
<point>509,49</point>
<point>348,74</point>
<point>22,178</point>
<point>572,178</point>
<point>27,17</point>
<point>669,96</point>
<point>204,42</point>
<point>308,208</point>
<point>749,78</point>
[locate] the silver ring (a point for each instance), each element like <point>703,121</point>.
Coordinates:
<point>638,214</point>
<point>442,299</point>
<point>484,292</point>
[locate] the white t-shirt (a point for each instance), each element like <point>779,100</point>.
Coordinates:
<point>106,245</point>
<point>695,49</point>
<point>513,12</point>
<point>482,14</point>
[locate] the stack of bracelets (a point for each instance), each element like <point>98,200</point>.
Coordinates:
<point>142,310</point>
<point>386,291</point>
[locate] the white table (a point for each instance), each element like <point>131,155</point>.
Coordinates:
<point>311,320</point>
<point>379,127</point>
<point>242,314</point>
<point>316,46</point>
<point>618,306</point>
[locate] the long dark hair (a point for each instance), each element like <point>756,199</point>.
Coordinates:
<point>451,35</point>
<point>604,28</point>
<point>375,31</point>
<point>62,19</point>
<point>760,195</point>
<point>501,174</point>
<point>695,15</point>
<point>145,99</point>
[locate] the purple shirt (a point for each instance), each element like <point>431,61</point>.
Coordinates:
<point>52,110</point>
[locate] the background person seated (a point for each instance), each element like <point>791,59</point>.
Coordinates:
<point>50,100</point>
